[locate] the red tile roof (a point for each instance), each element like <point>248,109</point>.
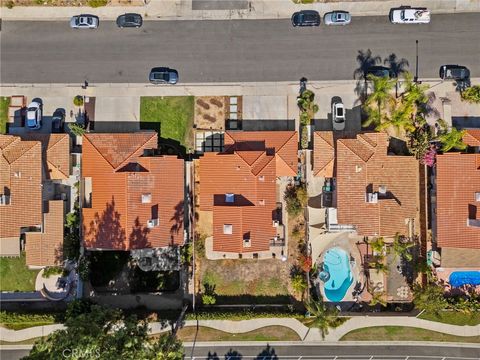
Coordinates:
<point>323,154</point>
<point>458,181</point>
<point>45,248</point>
<point>21,178</point>
<point>248,169</point>
<point>363,166</point>
<point>472,137</point>
<point>55,154</point>
<point>121,176</point>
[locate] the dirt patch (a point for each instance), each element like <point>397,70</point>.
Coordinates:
<point>269,333</point>
<point>210,112</point>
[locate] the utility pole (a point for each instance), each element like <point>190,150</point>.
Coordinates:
<point>415,79</point>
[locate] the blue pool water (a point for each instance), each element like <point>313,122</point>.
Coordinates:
<point>336,263</point>
<point>460,278</point>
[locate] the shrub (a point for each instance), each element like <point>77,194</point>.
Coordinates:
<point>239,315</point>
<point>208,299</point>
<point>187,253</point>
<point>18,320</point>
<point>10,4</point>
<point>77,130</point>
<point>294,207</point>
<point>97,3</point>
<point>304,118</point>
<point>471,94</point>
<point>200,245</point>
<point>305,262</point>
<point>304,138</point>
<point>299,282</point>
<point>84,268</point>
<point>78,100</point>
<point>52,270</point>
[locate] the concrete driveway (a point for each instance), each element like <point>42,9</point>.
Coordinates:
<point>265,108</point>
<point>117,113</point>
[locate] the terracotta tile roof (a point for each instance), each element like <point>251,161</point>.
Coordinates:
<point>323,154</point>
<point>55,153</point>
<point>363,166</point>
<point>21,178</point>
<point>283,144</point>
<point>45,248</point>
<point>251,178</point>
<point>121,180</point>
<point>472,137</point>
<point>458,181</point>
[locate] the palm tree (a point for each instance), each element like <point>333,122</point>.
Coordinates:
<point>401,244</point>
<point>380,100</point>
<point>378,298</point>
<point>378,245</point>
<point>400,118</point>
<point>321,316</point>
<point>452,139</point>
<point>379,265</point>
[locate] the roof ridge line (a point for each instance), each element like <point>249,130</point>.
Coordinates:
<point>98,151</point>
<point>340,140</point>
<point>128,158</point>
<point>285,143</point>
<point>34,141</point>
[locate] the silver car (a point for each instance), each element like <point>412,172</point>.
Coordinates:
<point>84,21</point>
<point>34,115</point>
<point>337,18</point>
<point>338,116</point>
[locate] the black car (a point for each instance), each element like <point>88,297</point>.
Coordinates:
<point>379,71</point>
<point>129,21</point>
<point>454,72</point>
<point>306,18</point>
<point>58,121</point>
<point>163,75</point>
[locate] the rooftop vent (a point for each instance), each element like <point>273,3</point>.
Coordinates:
<point>17,174</point>
<point>358,168</point>
<point>261,202</point>
<point>477,196</point>
<point>229,198</point>
<point>261,178</point>
<point>4,199</point>
<point>227,229</point>
<point>152,223</point>
<point>382,190</point>
<point>371,198</point>
<point>247,243</point>
<point>276,223</point>
<point>146,198</point>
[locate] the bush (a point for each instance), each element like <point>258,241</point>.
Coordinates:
<point>294,206</point>
<point>187,254</point>
<point>304,118</point>
<point>18,320</point>
<point>76,129</point>
<point>208,299</point>
<point>84,268</point>
<point>240,315</point>
<point>304,141</point>
<point>78,100</point>
<point>10,4</point>
<point>471,94</point>
<point>52,270</point>
<point>200,245</point>
<point>97,3</point>
<point>299,282</point>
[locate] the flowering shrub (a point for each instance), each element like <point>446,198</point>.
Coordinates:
<point>429,157</point>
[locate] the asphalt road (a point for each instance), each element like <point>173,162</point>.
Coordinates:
<point>229,51</point>
<point>316,352</point>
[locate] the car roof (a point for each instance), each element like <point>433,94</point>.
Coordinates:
<point>160,69</point>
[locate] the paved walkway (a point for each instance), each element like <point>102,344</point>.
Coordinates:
<point>249,325</point>
<point>257,9</point>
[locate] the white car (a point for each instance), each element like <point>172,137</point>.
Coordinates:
<point>84,21</point>
<point>409,15</point>
<point>337,18</point>
<point>338,115</point>
<point>34,115</point>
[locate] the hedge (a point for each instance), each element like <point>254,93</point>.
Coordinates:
<point>239,315</point>
<point>18,320</point>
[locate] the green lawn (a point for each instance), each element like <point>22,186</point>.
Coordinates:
<point>171,115</point>
<point>19,321</point>
<point>400,333</point>
<point>453,317</point>
<point>14,274</point>
<point>4,103</point>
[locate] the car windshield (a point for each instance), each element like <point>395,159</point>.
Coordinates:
<point>339,111</point>
<point>160,76</point>
<point>32,108</point>
<point>129,19</point>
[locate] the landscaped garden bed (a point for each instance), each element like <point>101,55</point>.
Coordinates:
<point>211,112</point>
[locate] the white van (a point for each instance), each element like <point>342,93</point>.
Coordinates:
<point>409,15</point>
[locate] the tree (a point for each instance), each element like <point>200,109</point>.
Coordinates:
<point>471,94</point>
<point>294,205</point>
<point>400,118</point>
<point>380,100</point>
<point>321,316</point>
<point>452,139</point>
<point>378,245</point>
<point>379,265</point>
<point>93,331</point>
<point>429,298</point>
<point>401,246</point>
<point>378,298</point>
<point>76,129</point>
<point>299,282</point>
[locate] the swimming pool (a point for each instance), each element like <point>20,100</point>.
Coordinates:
<point>460,278</point>
<point>336,263</point>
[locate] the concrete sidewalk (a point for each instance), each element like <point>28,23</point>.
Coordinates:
<point>313,335</point>
<point>257,9</point>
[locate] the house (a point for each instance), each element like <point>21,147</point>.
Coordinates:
<point>132,199</point>
<point>456,230</point>
<point>239,186</point>
<point>377,193</point>
<point>31,217</point>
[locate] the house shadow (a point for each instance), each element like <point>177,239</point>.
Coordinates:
<point>178,220</point>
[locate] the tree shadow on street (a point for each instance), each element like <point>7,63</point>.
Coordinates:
<point>365,60</point>
<point>267,354</point>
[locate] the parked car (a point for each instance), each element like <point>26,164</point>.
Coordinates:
<point>454,72</point>
<point>129,21</point>
<point>380,71</point>
<point>306,18</point>
<point>409,15</point>
<point>58,121</point>
<point>337,18</point>
<point>84,21</point>
<point>338,115</point>
<point>34,115</point>
<point>163,75</point>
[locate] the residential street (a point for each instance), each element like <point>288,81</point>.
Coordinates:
<point>229,51</point>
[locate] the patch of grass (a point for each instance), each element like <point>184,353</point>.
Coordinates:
<point>19,321</point>
<point>15,275</point>
<point>403,333</point>
<point>24,342</point>
<point>4,104</point>
<point>453,318</point>
<point>269,333</point>
<point>171,116</point>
